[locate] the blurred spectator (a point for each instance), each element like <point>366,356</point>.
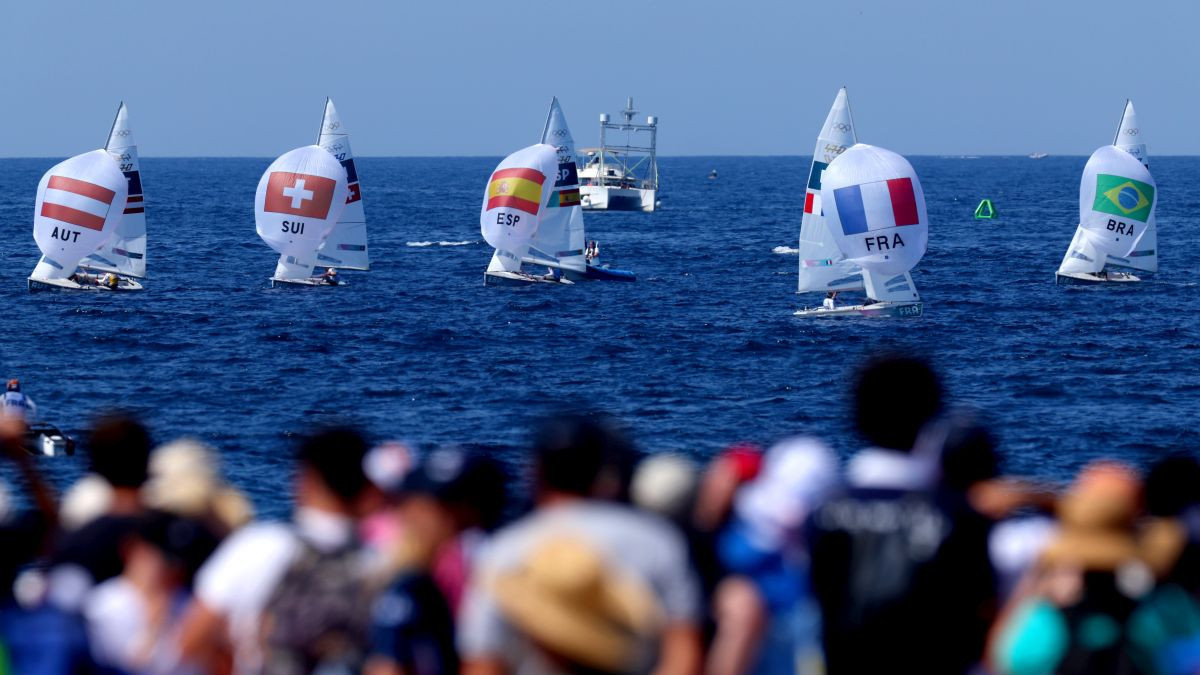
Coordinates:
<point>763,545</point>
<point>132,619</point>
<point>570,454</point>
<point>725,474</point>
<point>291,598</point>
<point>893,567</point>
<point>119,447</point>
<point>1072,613</point>
<point>185,479</point>
<point>412,627</point>
<point>665,484</point>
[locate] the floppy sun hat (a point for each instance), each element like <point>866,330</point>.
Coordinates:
<point>568,600</point>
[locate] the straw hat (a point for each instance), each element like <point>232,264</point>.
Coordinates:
<point>568,600</point>
<point>664,484</point>
<point>1097,517</point>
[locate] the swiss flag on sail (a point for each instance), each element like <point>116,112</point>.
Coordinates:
<point>299,194</point>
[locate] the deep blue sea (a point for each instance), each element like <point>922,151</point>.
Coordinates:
<point>702,351</point>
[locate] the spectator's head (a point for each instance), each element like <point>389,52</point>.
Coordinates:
<point>1173,485</point>
<point>894,397</point>
<point>472,487</point>
<point>734,467</point>
<point>331,476</point>
<point>665,484</point>
<point>582,456</point>
<point>167,550</point>
<point>1096,518</point>
<point>797,475</point>
<point>579,610</point>
<point>185,480</point>
<point>120,451</point>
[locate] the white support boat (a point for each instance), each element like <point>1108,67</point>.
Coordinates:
<point>824,264</point>
<point>622,177</point>
<point>1116,238</point>
<point>515,202</point>
<point>299,199</point>
<point>79,203</point>
<point>346,246</point>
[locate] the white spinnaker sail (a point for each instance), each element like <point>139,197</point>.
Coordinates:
<point>1117,198</point>
<point>125,251</point>
<point>514,202</point>
<point>346,246</point>
<point>822,265</point>
<point>875,208</point>
<point>560,236</point>
<point>299,199</point>
<point>1129,135</point>
<point>79,203</point>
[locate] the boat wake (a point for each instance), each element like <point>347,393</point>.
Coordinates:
<point>423,244</point>
<point>785,250</point>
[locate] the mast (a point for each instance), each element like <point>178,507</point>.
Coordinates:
<point>324,114</point>
<point>114,125</point>
<point>1120,122</point>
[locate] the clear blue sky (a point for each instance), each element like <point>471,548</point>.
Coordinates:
<point>756,77</point>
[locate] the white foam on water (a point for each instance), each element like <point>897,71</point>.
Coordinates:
<point>423,244</point>
<point>785,250</point>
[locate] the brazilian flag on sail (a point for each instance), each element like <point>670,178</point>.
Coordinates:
<point>1123,197</point>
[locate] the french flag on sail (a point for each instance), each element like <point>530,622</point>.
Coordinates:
<point>876,206</point>
<point>77,202</point>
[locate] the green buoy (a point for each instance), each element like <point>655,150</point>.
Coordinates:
<point>985,210</point>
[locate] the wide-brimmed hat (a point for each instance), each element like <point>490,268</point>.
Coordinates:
<point>1097,519</point>
<point>567,599</point>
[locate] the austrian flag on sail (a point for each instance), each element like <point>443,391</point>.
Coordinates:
<point>299,194</point>
<point>77,202</point>
<point>517,188</point>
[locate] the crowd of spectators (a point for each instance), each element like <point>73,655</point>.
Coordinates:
<point>914,554</point>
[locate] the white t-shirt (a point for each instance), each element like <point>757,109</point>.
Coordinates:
<point>16,404</point>
<point>239,577</point>
<point>828,303</point>
<point>119,634</point>
<point>639,543</point>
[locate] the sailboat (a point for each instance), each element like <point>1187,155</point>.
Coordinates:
<point>560,242</point>
<point>515,202</point>
<point>824,266</point>
<point>79,204</point>
<point>125,252</point>
<point>346,246</point>
<point>299,199</point>
<point>1116,235</point>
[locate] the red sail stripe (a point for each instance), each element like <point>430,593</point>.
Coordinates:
<point>904,201</point>
<point>808,202</point>
<point>514,202</point>
<point>528,174</point>
<point>80,187</point>
<point>73,216</point>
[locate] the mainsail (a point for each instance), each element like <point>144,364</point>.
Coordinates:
<point>560,237</point>
<point>79,203</point>
<point>822,265</point>
<point>299,199</point>
<point>1129,135</point>
<point>875,209</point>
<point>346,246</point>
<point>1117,198</point>
<point>125,251</point>
<point>514,202</point>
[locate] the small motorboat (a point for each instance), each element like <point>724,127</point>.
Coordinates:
<point>45,440</point>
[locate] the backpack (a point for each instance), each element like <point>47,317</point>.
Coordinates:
<point>318,616</point>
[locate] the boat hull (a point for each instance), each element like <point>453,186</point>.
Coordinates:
<point>520,279</point>
<point>607,198</point>
<point>1085,279</point>
<point>45,440</point>
<point>125,285</point>
<point>877,310</point>
<point>597,273</point>
<point>303,283</point>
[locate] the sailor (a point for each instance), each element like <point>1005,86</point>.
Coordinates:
<point>330,276</point>
<point>111,280</point>
<point>830,300</point>
<point>15,404</point>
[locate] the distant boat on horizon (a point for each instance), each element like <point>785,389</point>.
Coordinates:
<point>1038,155</point>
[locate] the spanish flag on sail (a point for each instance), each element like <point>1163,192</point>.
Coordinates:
<point>566,198</point>
<point>518,188</point>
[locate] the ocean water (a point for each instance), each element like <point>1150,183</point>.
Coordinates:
<point>702,351</point>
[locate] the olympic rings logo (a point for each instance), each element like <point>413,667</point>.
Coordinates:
<point>841,126</point>
<point>1132,132</point>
